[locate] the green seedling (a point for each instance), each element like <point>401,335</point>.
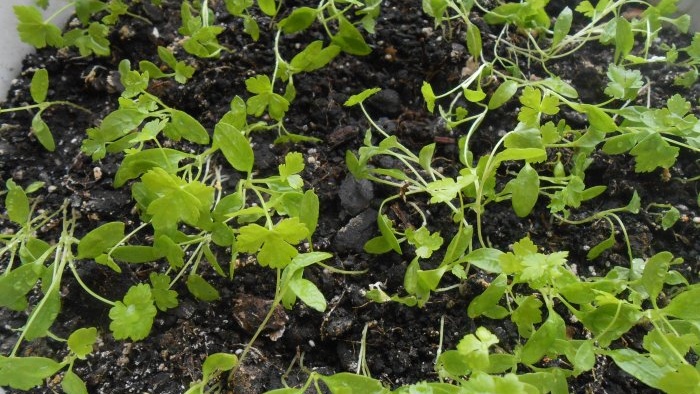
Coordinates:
<point>39,89</point>
<point>90,38</point>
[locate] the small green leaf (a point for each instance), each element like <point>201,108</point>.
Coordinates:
<point>100,240</point>
<point>133,317</point>
<point>40,85</point>
<point>624,38</point>
<point>309,211</point>
<point>201,289</point>
<point>624,84</point>
<point>25,373</point>
<point>308,293</point>
<point>300,19</point>
<point>425,242</point>
<point>82,340</point>
<point>313,57</point>
<point>387,231</point>
<point>428,96</point>
<point>611,320</point>
<point>43,316</point>
<point>349,38</point>
<point>265,98</point>
<point>486,303</point>
<point>160,289</point>
<point>42,133</point>
<point>182,125</point>
<point>360,97</point>
<point>16,203</point>
<point>562,26</point>
<point>474,41</point>
<point>601,247</point>
<point>585,359</point>
<point>136,254</point>
<point>72,384</point>
<point>525,189</point>
<point>503,93</point>
<point>654,274</point>
<point>542,340</point>
<point>670,218</point>
<point>350,383</point>
<point>475,348</point>
<point>218,362</point>
<point>15,285</point>
<point>235,147</point>
<point>268,7</point>
<point>527,314</point>
<point>136,164</point>
<point>685,305</point>
<point>486,259</point>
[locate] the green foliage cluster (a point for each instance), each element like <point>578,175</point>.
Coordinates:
<point>188,221</point>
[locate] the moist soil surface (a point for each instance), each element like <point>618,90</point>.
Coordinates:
<point>401,343</point>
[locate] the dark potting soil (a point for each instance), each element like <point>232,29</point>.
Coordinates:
<point>401,342</point>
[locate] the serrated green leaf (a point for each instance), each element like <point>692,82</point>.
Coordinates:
<point>82,340</point>
<point>475,348</point>
<point>100,240</point>
<point>160,289</point>
<point>652,152</point>
<point>133,317</point>
<point>274,247</point>
<point>424,241</point>
<point>33,30</point>
<point>527,314</point>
